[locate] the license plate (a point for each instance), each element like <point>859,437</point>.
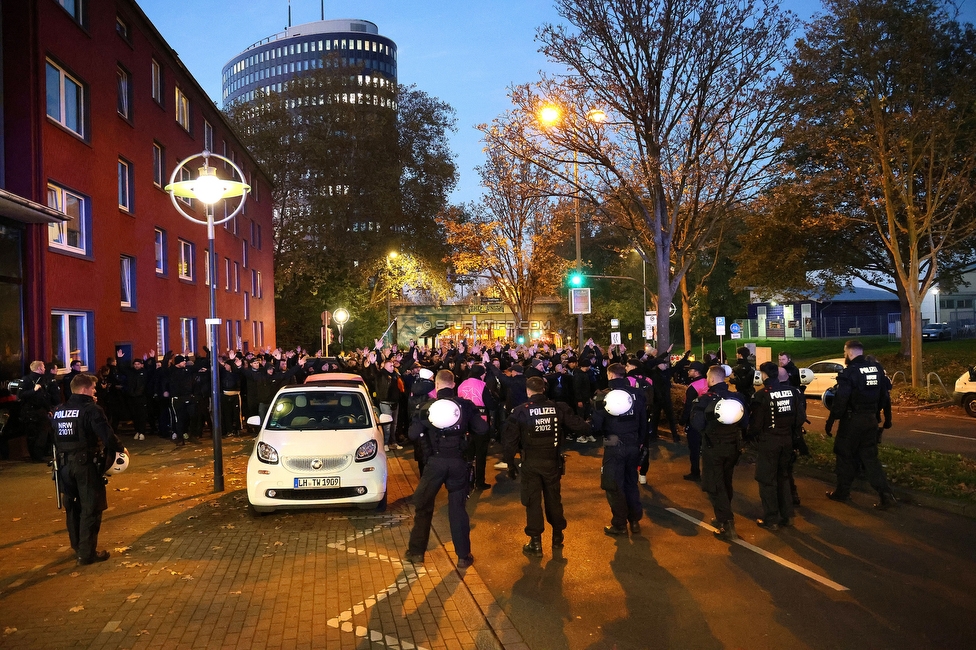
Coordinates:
<point>317,482</point>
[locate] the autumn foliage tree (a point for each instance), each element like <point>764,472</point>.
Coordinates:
<point>510,236</point>
<point>666,118</point>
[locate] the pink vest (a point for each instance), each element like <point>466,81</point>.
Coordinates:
<point>473,389</point>
<point>700,386</point>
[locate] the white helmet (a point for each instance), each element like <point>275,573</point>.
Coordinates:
<point>618,402</point>
<point>806,376</point>
<point>727,369</point>
<point>444,413</point>
<point>117,464</point>
<point>757,379</point>
<point>729,411</point>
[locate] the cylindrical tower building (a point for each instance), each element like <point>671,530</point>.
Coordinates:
<point>274,61</point>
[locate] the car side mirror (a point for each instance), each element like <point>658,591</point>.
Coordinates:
<point>386,418</point>
<point>254,420</point>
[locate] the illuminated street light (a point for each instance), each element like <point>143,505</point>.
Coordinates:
<point>341,316</point>
<point>208,188</point>
<point>550,115</point>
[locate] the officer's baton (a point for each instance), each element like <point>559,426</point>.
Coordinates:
<point>55,477</point>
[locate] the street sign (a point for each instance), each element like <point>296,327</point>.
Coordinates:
<point>579,301</point>
<point>614,323</point>
<point>735,328</point>
<point>672,309</point>
<point>735,335</point>
<point>326,318</point>
<point>614,338</point>
<point>720,326</point>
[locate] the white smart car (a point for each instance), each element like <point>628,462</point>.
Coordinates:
<point>321,444</point>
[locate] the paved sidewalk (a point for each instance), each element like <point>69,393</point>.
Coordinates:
<point>190,569</point>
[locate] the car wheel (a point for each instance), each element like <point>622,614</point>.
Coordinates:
<point>969,403</point>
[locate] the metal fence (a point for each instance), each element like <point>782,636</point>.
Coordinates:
<point>814,328</point>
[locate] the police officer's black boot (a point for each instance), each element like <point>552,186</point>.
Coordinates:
<point>888,501</point>
<point>557,539</point>
<point>534,547</point>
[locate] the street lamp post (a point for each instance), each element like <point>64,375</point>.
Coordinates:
<point>341,316</point>
<point>936,301</point>
<point>551,115</point>
<point>209,189</point>
<point>392,255</point>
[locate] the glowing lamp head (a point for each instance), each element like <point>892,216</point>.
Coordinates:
<point>341,315</point>
<point>596,115</point>
<point>208,188</point>
<point>549,115</point>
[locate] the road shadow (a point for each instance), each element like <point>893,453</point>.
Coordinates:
<point>541,589</point>
<point>403,611</point>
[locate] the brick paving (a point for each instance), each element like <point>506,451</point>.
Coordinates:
<point>190,569</point>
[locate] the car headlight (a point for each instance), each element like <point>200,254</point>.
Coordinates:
<point>366,451</point>
<point>267,453</point>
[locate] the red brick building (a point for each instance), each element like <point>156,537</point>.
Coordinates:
<point>97,111</point>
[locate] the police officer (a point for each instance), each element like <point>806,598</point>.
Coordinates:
<point>35,411</point>
<point>861,395</point>
<point>778,413</point>
<point>82,435</point>
<point>443,425</point>
<point>722,418</point>
<point>535,428</point>
<point>620,416</point>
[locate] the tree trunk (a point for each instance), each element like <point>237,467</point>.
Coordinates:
<point>685,311</point>
<point>915,312</point>
<point>906,326</point>
<point>662,260</point>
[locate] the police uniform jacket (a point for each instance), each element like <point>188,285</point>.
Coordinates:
<point>450,442</point>
<point>627,429</point>
<point>535,428</point>
<point>80,425</point>
<point>777,409</point>
<point>717,433</point>
<point>33,394</point>
<point>862,389</point>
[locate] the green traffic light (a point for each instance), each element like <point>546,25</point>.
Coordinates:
<point>576,279</point>
<point>521,340</point>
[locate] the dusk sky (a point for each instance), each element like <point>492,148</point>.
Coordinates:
<point>465,53</point>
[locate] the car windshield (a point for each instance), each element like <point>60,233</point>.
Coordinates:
<point>318,410</point>
<point>932,328</point>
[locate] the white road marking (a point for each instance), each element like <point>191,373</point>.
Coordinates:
<point>755,549</point>
<point>344,620</point>
<point>944,435</point>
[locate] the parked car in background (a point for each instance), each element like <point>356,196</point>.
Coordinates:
<point>965,391</point>
<point>937,332</point>
<point>824,376</point>
<point>321,444</point>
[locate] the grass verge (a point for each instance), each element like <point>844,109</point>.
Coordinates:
<point>942,475</point>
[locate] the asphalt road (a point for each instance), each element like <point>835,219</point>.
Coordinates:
<point>948,429</point>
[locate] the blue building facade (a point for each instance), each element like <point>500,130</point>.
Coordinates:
<point>272,62</point>
<point>856,312</point>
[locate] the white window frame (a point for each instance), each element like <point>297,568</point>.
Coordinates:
<point>159,164</point>
<point>247,306</point>
<point>162,335</point>
<point>124,87</point>
<point>80,348</point>
<point>187,271</point>
<point>227,274</point>
<point>127,281</point>
<point>237,277</point>
<point>207,136</point>
<point>58,233</point>
<point>157,81</point>
<point>159,247</point>
<point>61,117</point>
<point>126,189</point>
<point>188,334</point>
<point>182,109</point>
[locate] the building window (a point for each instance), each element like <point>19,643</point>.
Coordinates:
<point>229,333</point>
<point>124,87</point>
<point>237,277</point>
<point>72,234</point>
<point>160,251</point>
<point>69,337</point>
<point>226,274</point>
<point>121,27</point>
<point>126,185</point>
<point>244,253</point>
<point>157,82</point>
<point>187,268</point>
<point>159,164</point>
<point>127,277</point>
<point>239,333</point>
<point>75,8</point>
<point>185,176</point>
<point>206,269</point>
<point>65,99</point>
<point>259,237</point>
<point>247,306</point>
<point>188,334</point>
<point>259,290</point>
<point>207,136</point>
<point>162,335</point>
<point>182,110</point>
